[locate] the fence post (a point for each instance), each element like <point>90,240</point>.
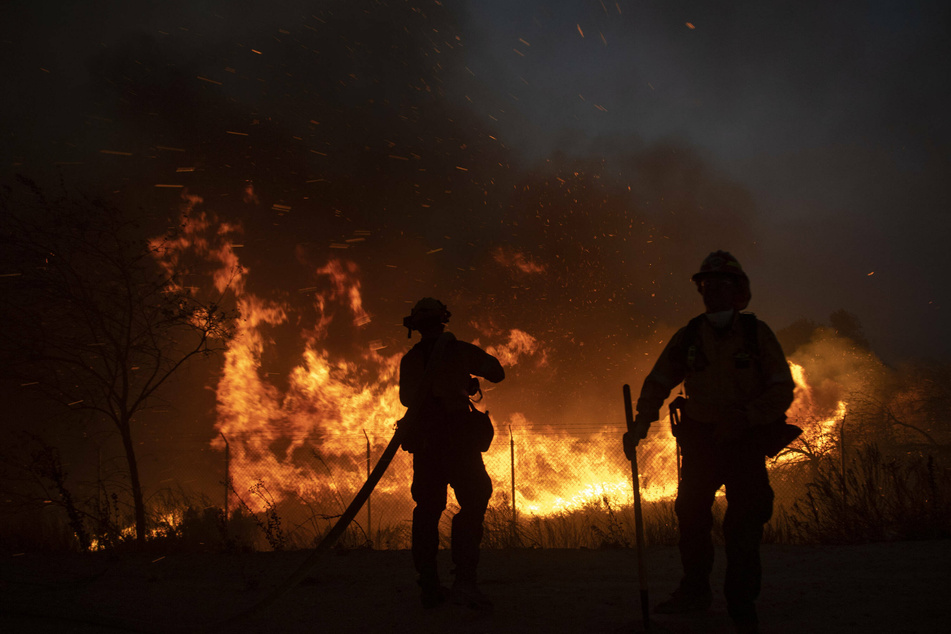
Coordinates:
<point>100,489</point>
<point>369,532</point>
<point>514,511</point>
<point>845,495</point>
<point>227,474</point>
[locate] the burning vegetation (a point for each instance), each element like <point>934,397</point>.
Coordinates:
<point>324,176</point>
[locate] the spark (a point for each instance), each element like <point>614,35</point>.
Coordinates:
<point>690,26</point>
<point>210,81</point>
<point>116,153</point>
<point>166,186</point>
<point>579,30</point>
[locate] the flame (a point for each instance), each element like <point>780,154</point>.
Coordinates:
<point>299,436</point>
<point>327,402</point>
<point>819,432</point>
<point>517,261</point>
<point>520,344</point>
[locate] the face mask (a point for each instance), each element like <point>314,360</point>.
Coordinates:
<point>721,319</point>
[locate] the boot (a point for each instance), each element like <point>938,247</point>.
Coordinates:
<point>467,593</point>
<point>681,602</point>
<point>746,627</point>
<point>432,593</point>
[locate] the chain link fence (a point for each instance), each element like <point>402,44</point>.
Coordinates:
<point>552,488</point>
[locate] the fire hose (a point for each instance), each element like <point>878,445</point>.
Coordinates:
<point>638,515</point>
<point>361,497</point>
<point>332,535</point>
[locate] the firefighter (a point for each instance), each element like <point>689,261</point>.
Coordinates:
<point>442,454</point>
<point>738,387</point>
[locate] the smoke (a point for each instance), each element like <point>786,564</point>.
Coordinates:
<point>335,163</point>
<point>341,138</point>
<point>329,145</point>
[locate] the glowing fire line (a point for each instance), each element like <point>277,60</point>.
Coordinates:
<point>279,435</point>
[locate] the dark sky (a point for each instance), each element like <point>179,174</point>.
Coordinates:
<point>810,138</point>
<point>833,115</point>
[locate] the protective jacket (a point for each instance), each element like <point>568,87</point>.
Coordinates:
<point>726,379</point>
<point>449,395</point>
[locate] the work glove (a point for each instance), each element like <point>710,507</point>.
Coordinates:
<point>634,435</point>
<point>473,387</point>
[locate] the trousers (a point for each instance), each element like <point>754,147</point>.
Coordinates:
<point>433,470</point>
<point>739,466</point>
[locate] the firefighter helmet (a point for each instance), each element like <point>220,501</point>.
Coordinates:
<point>427,309</point>
<point>719,263</point>
<point>725,264</point>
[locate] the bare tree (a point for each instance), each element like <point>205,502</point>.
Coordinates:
<point>90,318</point>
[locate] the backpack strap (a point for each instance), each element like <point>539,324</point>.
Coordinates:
<point>750,339</point>
<point>693,358</point>
<point>691,350</point>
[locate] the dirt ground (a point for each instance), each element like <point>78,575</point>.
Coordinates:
<point>894,587</point>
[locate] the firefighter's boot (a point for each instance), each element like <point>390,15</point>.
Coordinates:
<point>681,602</point>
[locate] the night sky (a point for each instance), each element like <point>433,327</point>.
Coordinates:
<point>560,167</point>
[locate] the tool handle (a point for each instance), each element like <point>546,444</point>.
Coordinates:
<point>628,408</point>
<point>638,514</point>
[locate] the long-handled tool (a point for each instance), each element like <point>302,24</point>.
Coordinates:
<point>638,515</point>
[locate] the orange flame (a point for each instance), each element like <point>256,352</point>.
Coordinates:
<point>302,433</point>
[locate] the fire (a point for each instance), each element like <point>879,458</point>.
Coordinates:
<point>326,404</point>
<point>818,431</point>
<point>305,436</point>
<point>520,344</point>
